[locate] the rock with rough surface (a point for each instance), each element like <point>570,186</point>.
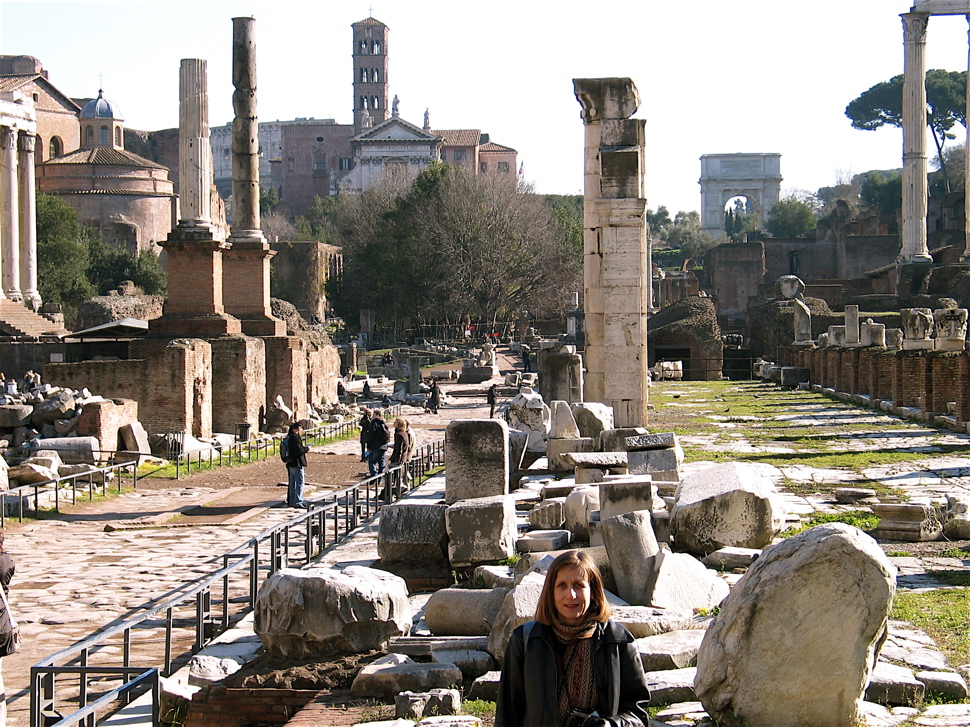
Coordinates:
<point>463,611</point>
<point>518,607</point>
<point>477,452</point>
<point>528,413</point>
<point>562,425</point>
<point>481,530</point>
<point>683,583</point>
<point>592,417</point>
<point>726,505</point>
<point>672,650</point>
<point>632,547</point>
<point>388,676</point>
<point>320,612</point>
<point>550,514</point>
<point>580,504</point>
<point>413,532</point>
<point>837,586</point>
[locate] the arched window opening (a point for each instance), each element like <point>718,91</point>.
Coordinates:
<point>363,75</point>
<point>105,136</point>
<point>89,136</point>
<point>375,103</point>
<point>364,103</point>
<point>118,136</point>
<point>376,48</point>
<point>319,161</point>
<point>38,149</point>
<point>794,263</point>
<point>375,75</point>
<point>363,47</point>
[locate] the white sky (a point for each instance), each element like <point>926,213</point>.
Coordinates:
<point>714,76</point>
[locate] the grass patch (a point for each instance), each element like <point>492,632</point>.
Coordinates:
<point>944,614</point>
<point>899,554</point>
<point>480,708</point>
<point>857,518</point>
<point>960,553</point>
<point>958,578</point>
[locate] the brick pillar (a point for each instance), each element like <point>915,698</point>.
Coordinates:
<point>849,373</point>
<point>238,381</point>
<point>286,372</point>
<point>945,373</point>
<point>911,381</point>
<point>962,390</point>
<point>178,394</point>
<point>864,375</point>
<point>884,375</point>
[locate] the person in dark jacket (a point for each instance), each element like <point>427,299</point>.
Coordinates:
<point>377,441</point>
<point>295,467</point>
<point>364,425</point>
<point>7,568</point>
<point>492,397</point>
<point>434,397</point>
<point>576,667</point>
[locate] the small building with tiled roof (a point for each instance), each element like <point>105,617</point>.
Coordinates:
<point>128,198</point>
<point>497,159</point>
<point>58,132</point>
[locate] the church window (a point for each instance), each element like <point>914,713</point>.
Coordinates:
<point>483,167</point>
<point>117,136</point>
<point>459,155</point>
<point>363,47</point>
<point>363,75</point>
<point>369,32</point>
<point>105,136</point>
<point>376,48</point>
<point>364,102</point>
<point>376,103</point>
<point>503,167</point>
<point>444,155</point>
<point>319,161</point>
<point>89,136</point>
<point>57,147</point>
<point>36,97</point>
<point>344,164</point>
<point>375,75</point>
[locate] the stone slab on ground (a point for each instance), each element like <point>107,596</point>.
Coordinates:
<point>946,682</point>
<point>604,460</point>
<point>389,675</point>
<point>671,685</point>
<point>731,558</point>
<point>659,440</point>
<point>543,541</point>
<point>894,685</point>
<point>486,686</point>
<point>672,650</point>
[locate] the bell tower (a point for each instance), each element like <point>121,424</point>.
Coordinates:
<point>370,72</point>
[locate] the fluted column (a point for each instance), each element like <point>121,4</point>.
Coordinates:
<point>245,131</point>
<point>914,248</point>
<point>10,223</point>
<point>28,222</point>
<point>195,151</point>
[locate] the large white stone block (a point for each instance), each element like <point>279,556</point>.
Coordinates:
<point>556,448</point>
<point>795,642</point>
<point>481,530</point>
<point>518,607</point>
<point>477,457</point>
<point>413,532</point>
<point>463,611</point>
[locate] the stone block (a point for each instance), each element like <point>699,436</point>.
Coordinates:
<point>894,685</point>
<point>562,425</point>
<point>390,675</point>
<point>644,621</point>
<point>672,650</point>
<point>682,582</point>
<point>549,514</point>
<point>463,611</point>
<point>495,576</point>
<point>480,530</point>
<point>486,686</point>
<point>320,612</point>
<point>947,682</point>
<point>589,475</point>
<point>580,503</point>
<point>416,705</point>
<point>907,521</point>
<point>592,418</point>
<point>731,558</point>
<point>29,474</point>
<point>477,453</point>
<point>556,448</point>
<point>204,669</point>
<point>660,440</point>
<point>632,548</point>
<point>57,406</point>
<point>413,532</point>
<point>517,444</point>
<point>13,415</point>
<point>792,376</point>
<point>837,585</point>
<point>614,440</point>
<point>605,460</point>
<point>661,461</point>
<point>471,663</point>
<point>730,504</point>
<point>73,450</point>
<point>528,413</point>
<point>542,541</point>
<point>671,685</point>
<point>135,438</point>
<point>518,607</point>
<point>625,495</point>
<point>852,495</point>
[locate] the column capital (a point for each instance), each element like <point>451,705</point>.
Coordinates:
<point>914,27</point>
<point>8,137</point>
<point>27,141</point>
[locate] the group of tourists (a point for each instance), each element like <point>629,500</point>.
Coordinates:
<point>375,439</point>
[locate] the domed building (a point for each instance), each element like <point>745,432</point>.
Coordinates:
<point>128,198</point>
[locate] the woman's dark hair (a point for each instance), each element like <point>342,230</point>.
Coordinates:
<point>599,608</point>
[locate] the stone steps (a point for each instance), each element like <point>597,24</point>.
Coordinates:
<point>18,320</point>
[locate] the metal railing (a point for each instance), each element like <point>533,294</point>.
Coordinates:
<point>243,452</point>
<point>201,610</point>
<point>94,481</point>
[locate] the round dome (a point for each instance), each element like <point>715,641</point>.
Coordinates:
<point>101,108</point>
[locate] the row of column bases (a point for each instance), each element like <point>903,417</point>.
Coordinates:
<point>18,218</point>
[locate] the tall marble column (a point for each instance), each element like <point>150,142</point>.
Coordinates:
<point>616,275</point>
<point>10,222</point>
<point>247,262</point>
<point>195,305</point>
<point>28,222</point>
<point>966,164</point>
<point>914,248</point>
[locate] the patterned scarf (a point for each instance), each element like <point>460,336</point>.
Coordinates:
<point>576,670</point>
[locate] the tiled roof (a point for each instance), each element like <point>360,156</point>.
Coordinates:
<point>492,146</point>
<point>106,156</point>
<point>12,83</point>
<point>460,137</point>
<point>370,21</point>
<point>122,192</point>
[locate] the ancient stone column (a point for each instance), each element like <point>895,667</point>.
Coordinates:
<point>247,266</point>
<point>616,274</point>
<point>966,165</point>
<point>10,215</point>
<point>195,151</point>
<point>28,222</point>
<point>914,249</point>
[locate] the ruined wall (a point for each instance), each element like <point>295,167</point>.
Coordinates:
<point>17,358</point>
<point>103,419</point>
<point>238,382</point>
<point>807,258</point>
<point>738,270</point>
<point>286,372</point>
<point>178,390</point>
<point>323,369</point>
<point>110,379</point>
<point>858,254</point>
<point>219,706</point>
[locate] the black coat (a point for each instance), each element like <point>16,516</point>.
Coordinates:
<point>297,451</point>
<point>531,701</point>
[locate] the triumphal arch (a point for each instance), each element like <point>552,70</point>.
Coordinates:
<point>756,177</point>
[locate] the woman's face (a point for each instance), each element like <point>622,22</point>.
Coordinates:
<point>572,594</point>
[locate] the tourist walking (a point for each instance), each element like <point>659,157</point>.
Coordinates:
<point>572,665</point>
<point>492,397</point>
<point>434,397</point>
<point>377,440</point>
<point>7,644</point>
<point>526,360</point>
<point>364,425</point>
<point>295,466</point>
<point>403,447</point>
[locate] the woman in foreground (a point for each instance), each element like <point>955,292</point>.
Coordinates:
<point>572,666</point>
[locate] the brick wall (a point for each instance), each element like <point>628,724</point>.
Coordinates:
<point>286,372</point>
<point>946,382</point>
<point>323,369</point>
<point>103,419</point>
<point>865,369</point>
<point>833,361</point>
<point>178,386</point>
<point>110,379</point>
<point>849,370</point>
<point>886,371</point>
<point>238,382</point>
<point>911,388</point>
<point>218,706</point>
